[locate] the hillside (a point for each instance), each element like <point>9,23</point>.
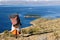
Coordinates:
<point>41,29</point>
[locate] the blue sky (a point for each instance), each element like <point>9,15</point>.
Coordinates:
<point>30,2</point>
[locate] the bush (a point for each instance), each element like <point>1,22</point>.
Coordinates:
<point>30,30</point>
<point>6,33</point>
<point>24,31</point>
<point>34,30</point>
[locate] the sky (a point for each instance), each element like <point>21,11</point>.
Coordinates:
<point>30,2</point>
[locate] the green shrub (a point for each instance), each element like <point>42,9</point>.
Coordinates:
<point>34,30</point>
<point>30,30</point>
<point>24,31</point>
<point>11,35</point>
<point>6,33</point>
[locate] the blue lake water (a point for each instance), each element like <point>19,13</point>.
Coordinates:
<point>44,11</point>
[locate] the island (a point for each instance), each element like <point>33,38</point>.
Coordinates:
<point>32,16</point>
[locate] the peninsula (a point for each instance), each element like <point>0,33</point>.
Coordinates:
<point>41,29</point>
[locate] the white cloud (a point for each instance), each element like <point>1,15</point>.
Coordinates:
<point>33,0</point>
<point>40,2</point>
<point>29,0</point>
<point>24,0</point>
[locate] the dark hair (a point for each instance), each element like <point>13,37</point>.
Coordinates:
<point>18,19</point>
<point>14,15</point>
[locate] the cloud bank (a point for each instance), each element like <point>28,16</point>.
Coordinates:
<point>29,2</point>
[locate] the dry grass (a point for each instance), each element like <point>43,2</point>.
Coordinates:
<point>43,26</point>
<point>42,29</point>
